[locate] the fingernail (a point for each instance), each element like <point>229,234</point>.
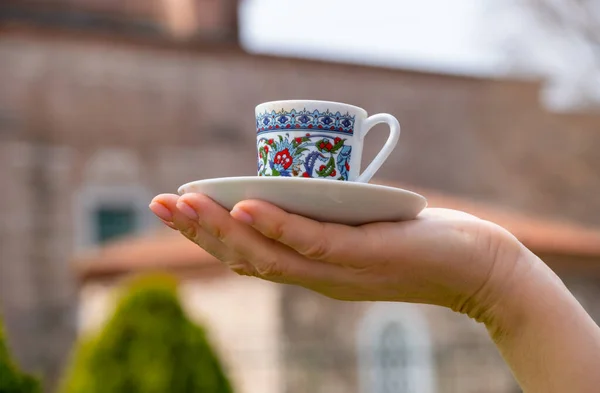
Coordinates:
<point>161,211</point>
<point>242,216</point>
<point>187,210</point>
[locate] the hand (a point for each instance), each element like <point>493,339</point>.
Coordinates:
<point>443,257</point>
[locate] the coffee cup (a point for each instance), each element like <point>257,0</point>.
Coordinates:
<point>318,139</point>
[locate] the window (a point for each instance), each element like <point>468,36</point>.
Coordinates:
<point>104,213</point>
<point>114,222</point>
<point>392,355</point>
<point>395,350</point>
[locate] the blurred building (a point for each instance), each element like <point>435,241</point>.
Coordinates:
<point>104,104</point>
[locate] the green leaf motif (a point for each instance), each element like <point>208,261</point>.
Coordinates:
<point>329,168</point>
<point>318,145</point>
<point>338,146</point>
<point>264,155</point>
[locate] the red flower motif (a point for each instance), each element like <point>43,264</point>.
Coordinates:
<point>283,158</point>
<point>266,148</point>
<point>322,167</point>
<point>322,145</point>
<point>348,167</point>
<point>329,146</point>
<point>333,173</point>
<point>305,174</point>
<point>307,134</point>
<point>270,141</point>
<point>337,140</point>
<point>298,140</point>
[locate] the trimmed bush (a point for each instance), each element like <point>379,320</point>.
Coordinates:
<point>148,346</point>
<point>11,379</point>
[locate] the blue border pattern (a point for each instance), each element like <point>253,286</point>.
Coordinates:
<point>305,120</point>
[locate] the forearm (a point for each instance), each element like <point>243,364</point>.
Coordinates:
<point>545,335</point>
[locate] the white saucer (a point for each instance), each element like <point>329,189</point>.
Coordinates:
<point>334,201</point>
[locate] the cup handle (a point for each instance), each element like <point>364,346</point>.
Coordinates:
<point>390,144</point>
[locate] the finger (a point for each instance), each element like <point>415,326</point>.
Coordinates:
<point>445,214</point>
<point>194,232</point>
<point>272,260</point>
<point>312,239</point>
<point>163,214</point>
<point>170,225</point>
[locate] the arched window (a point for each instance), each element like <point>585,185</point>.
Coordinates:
<point>111,201</point>
<point>103,213</point>
<point>394,348</point>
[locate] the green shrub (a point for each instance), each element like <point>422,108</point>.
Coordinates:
<point>11,379</point>
<point>148,346</point>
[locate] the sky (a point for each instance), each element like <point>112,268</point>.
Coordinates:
<point>437,35</point>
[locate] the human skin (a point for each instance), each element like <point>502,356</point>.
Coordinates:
<point>444,257</point>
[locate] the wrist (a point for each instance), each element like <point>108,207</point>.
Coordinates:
<point>513,283</point>
<point>548,340</point>
<point>504,263</point>
<point>523,294</point>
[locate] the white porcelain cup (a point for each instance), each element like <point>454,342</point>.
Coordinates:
<point>318,139</point>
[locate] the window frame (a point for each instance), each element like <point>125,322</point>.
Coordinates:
<point>92,197</point>
<point>421,378</point>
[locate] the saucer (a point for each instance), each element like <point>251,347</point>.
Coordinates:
<point>335,201</point>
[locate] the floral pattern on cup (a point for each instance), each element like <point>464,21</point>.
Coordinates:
<point>305,120</point>
<point>310,155</point>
